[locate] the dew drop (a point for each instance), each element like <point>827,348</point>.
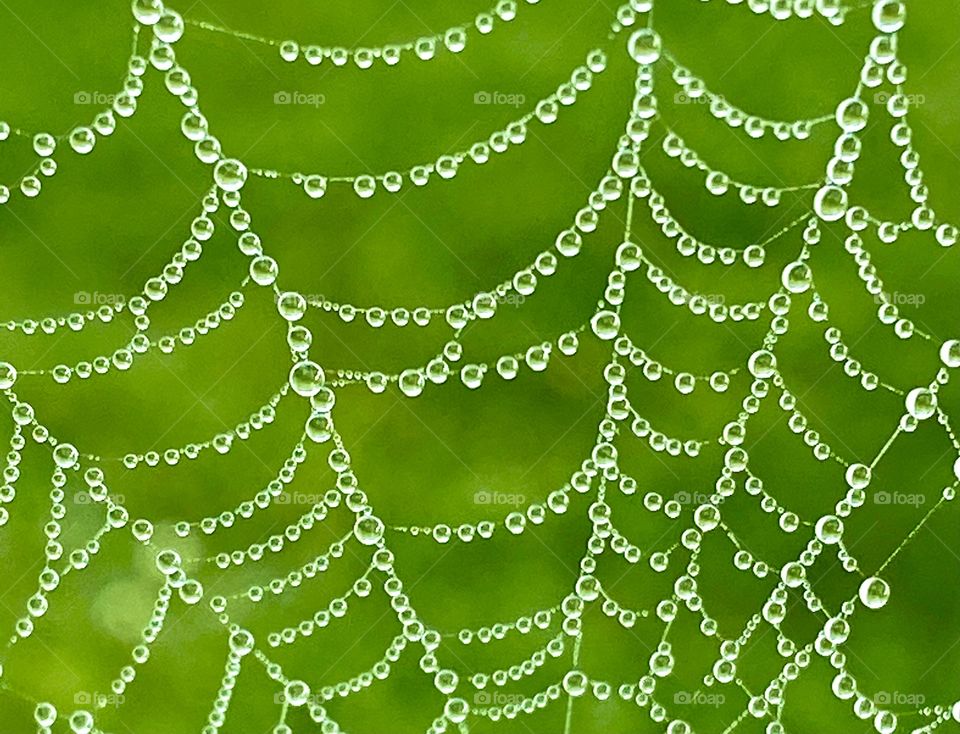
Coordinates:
<point>762,364</point>
<point>949,355</point>
<point>368,529</point>
<point>230,174</point>
<point>797,277</point>
<point>306,378</point>
<point>8,375</point>
<point>889,16</point>
<point>830,203</point>
<point>858,476</point>
<point>644,46</point>
<point>874,592</point>
<point>829,529</point>
<point>605,324</point>
<point>921,403</point>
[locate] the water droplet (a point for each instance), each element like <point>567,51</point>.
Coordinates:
<point>829,529</point>
<point>949,354</point>
<point>644,46</point>
<point>65,456</point>
<point>874,592</point>
<point>762,364</point>
<point>8,375</point>
<point>889,15</point>
<point>230,174</point>
<point>296,692</point>
<point>82,140</point>
<point>306,378</point>
<point>797,277</point>
<point>605,324</point>
<point>264,270</point>
<point>315,186</point>
<point>830,203</point>
<point>921,403</point>
<point>147,12</point>
<point>858,476</point>
<point>368,529</point>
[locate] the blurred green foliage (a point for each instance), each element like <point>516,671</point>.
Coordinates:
<point>106,222</point>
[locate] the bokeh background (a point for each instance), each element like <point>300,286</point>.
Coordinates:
<point>106,222</point>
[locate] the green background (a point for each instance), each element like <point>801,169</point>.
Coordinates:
<point>106,222</point>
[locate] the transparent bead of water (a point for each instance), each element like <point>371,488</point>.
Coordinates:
<point>829,529</point>
<point>830,203</point>
<point>306,378</point>
<point>147,12</point>
<point>921,403</point>
<point>858,476</point>
<point>644,46</point>
<point>889,15</point>
<point>949,355</point>
<point>8,375</point>
<point>874,592</point>
<point>82,140</point>
<point>797,277</point>
<point>368,530</point>
<point>230,174</point>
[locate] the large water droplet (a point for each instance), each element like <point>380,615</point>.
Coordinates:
<point>230,174</point>
<point>368,530</point>
<point>874,592</point>
<point>797,277</point>
<point>644,46</point>
<point>8,375</point>
<point>921,403</point>
<point>889,15</point>
<point>830,203</point>
<point>306,378</point>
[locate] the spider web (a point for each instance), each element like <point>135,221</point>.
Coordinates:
<point>471,697</point>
